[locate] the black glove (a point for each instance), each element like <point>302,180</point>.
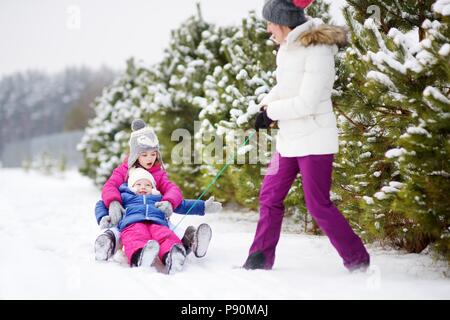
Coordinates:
<point>262,120</point>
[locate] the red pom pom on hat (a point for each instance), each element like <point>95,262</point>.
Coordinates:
<point>302,3</point>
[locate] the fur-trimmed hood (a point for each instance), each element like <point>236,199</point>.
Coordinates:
<point>314,32</point>
<point>324,34</point>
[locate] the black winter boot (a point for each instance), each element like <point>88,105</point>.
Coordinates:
<point>361,267</point>
<point>256,260</point>
<point>188,238</point>
<point>135,257</point>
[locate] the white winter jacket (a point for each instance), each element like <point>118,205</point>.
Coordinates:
<point>301,99</point>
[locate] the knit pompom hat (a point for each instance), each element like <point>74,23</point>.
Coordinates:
<point>143,139</point>
<point>302,3</point>
<point>284,12</point>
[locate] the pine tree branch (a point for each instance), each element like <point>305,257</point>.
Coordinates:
<point>403,112</point>
<point>399,15</point>
<point>348,190</point>
<point>357,125</point>
<point>421,19</point>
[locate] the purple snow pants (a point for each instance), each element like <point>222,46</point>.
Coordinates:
<point>316,173</point>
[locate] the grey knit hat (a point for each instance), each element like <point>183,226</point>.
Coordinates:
<point>143,139</point>
<point>283,12</point>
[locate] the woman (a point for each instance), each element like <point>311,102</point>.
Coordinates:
<point>301,104</point>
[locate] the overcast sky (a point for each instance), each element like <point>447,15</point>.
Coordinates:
<point>49,35</point>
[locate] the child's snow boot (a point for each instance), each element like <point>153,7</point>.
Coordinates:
<point>175,259</point>
<point>200,242</point>
<point>105,245</point>
<point>148,254</point>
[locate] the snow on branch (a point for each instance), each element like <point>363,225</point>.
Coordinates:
<point>442,7</point>
<point>381,78</point>
<point>418,131</point>
<point>371,25</point>
<point>444,50</point>
<point>435,93</point>
<point>396,152</point>
<point>381,57</point>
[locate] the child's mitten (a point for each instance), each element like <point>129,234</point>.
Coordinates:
<point>115,212</point>
<point>212,206</point>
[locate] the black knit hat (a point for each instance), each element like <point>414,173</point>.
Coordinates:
<point>283,12</point>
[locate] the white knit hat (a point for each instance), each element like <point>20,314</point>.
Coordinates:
<point>135,174</point>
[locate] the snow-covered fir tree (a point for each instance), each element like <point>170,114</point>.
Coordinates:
<point>193,53</point>
<point>138,93</point>
<point>319,9</point>
<point>425,146</point>
<point>386,79</point>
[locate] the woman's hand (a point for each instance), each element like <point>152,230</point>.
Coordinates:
<point>262,119</point>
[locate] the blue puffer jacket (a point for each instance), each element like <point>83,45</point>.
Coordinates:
<point>139,208</point>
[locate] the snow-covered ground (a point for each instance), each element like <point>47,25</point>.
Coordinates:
<point>47,229</point>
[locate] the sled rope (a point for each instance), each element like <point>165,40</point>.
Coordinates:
<point>213,181</point>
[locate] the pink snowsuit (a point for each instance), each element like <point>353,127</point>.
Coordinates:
<point>170,191</point>
<point>135,236</point>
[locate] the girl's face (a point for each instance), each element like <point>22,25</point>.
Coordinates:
<point>143,186</point>
<point>278,32</point>
<point>147,159</point>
